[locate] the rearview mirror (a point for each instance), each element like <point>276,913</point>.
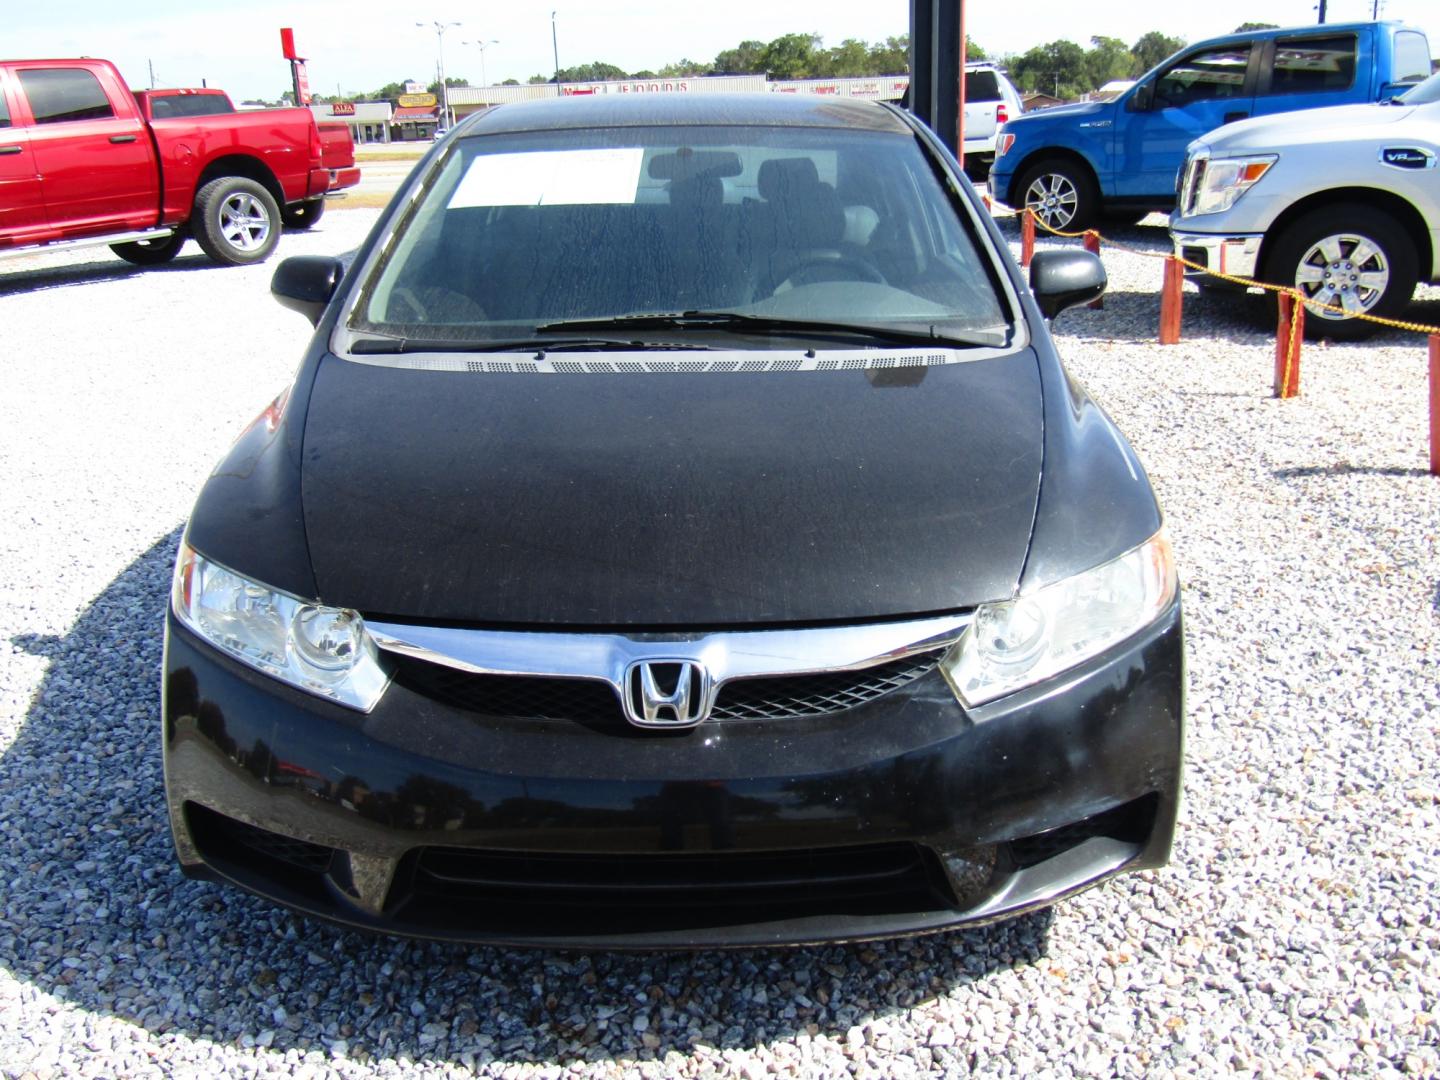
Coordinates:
<point>305,283</point>
<point>1065,279</point>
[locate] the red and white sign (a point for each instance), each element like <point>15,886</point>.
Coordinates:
<point>342,108</point>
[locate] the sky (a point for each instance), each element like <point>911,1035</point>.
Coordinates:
<point>360,45</point>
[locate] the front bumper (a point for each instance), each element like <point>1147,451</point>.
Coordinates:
<point>902,815</point>
<point>1233,255</point>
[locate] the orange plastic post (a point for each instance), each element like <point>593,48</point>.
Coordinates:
<point>1435,404</point>
<point>1170,294</point>
<point>1289,332</point>
<point>1092,245</point>
<point>1027,236</point>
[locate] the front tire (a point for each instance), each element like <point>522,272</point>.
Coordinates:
<point>1350,256</point>
<point>1062,193</point>
<point>302,215</point>
<point>236,221</point>
<point>151,252</point>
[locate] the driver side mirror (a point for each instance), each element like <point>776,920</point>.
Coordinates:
<point>1064,279</point>
<point>1143,98</point>
<point>305,283</point>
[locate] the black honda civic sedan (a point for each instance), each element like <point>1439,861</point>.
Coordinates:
<point>680,532</point>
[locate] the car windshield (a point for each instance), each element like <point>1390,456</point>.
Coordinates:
<point>1424,93</point>
<point>516,234</point>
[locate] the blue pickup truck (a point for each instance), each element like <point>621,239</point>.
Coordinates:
<point>1120,159</point>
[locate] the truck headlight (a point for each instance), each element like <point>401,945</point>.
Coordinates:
<point>1220,181</point>
<point>1018,642</point>
<point>322,650</point>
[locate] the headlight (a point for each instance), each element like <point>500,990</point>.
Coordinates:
<point>1218,182</point>
<point>322,650</point>
<point>1019,642</point>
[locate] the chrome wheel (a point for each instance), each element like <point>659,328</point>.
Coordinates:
<point>1346,271</point>
<point>244,221</point>
<point>1053,197</point>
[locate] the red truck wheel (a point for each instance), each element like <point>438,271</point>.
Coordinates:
<point>302,215</point>
<point>236,221</point>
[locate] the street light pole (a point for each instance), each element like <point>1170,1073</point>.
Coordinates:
<point>440,28</point>
<point>482,46</point>
<point>555,44</point>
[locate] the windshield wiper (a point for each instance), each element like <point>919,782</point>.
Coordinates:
<point>386,345</point>
<point>741,323</point>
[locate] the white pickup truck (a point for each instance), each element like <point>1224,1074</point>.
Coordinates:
<point>1342,204</point>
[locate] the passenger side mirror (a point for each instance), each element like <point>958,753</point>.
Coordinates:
<point>305,283</point>
<point>1065,279</point>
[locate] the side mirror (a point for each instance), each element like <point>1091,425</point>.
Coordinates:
<point>1065,279</point>
<point>1143,98</point>
<point>305,283</point>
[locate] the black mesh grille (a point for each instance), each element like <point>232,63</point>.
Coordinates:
<point>547,893</point>
<point>225,836</point>
<point>513,696</point>
<point>812,695</point>
<point>593,702</point>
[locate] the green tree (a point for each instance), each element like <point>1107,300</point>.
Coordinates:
<point>891,56</point>
<point>973,51</point>
<point>595,71</point>
<point>511,82</point>
<point>539,79</point>
<point>790,56</point>
<point>1246,27</point>
<point>450,81</point>
<point>685,69</point>
<point>1109,58</point>
<point>1057,67</point>
<point>849,59</point>
<point>1152,48</point>
<point>744,59</point>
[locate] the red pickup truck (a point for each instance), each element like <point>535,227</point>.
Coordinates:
<point>85,161</point>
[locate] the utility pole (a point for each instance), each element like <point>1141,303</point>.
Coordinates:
<point>152,73</point>
<point>1322,10</point>
<point>555,44</point>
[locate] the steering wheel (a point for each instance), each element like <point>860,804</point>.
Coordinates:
<point>810,269</point>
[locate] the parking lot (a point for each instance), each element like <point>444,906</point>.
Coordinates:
<point>1296,932</point>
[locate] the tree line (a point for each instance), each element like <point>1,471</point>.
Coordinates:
<point>1061,68</point>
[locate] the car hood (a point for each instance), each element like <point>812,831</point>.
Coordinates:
<point>669,500</point>
<point>1061,113</point>
<point>1305,128</point>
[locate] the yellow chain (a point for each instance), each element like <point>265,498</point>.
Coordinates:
<point>1296,294</point>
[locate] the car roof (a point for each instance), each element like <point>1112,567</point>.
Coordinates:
<point>685,110</point>
<point>1308,30</point>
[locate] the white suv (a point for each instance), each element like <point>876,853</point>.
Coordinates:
<point>990,100</point>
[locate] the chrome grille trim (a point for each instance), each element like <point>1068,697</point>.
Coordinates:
<point>726,655</point>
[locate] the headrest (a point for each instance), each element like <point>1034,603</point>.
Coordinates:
<point>780,177</point>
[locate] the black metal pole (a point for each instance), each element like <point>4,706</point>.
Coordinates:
<point>1322,10</point>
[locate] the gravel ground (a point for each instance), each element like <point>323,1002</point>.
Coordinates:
<point>1295,934</point>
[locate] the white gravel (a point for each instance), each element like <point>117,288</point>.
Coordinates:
<point>1296,934</point>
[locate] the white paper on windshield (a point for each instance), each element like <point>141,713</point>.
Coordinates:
<point>551,178</point>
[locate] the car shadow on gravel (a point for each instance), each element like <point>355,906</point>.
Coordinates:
<point>97,914</point>
<point>14,282</point>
